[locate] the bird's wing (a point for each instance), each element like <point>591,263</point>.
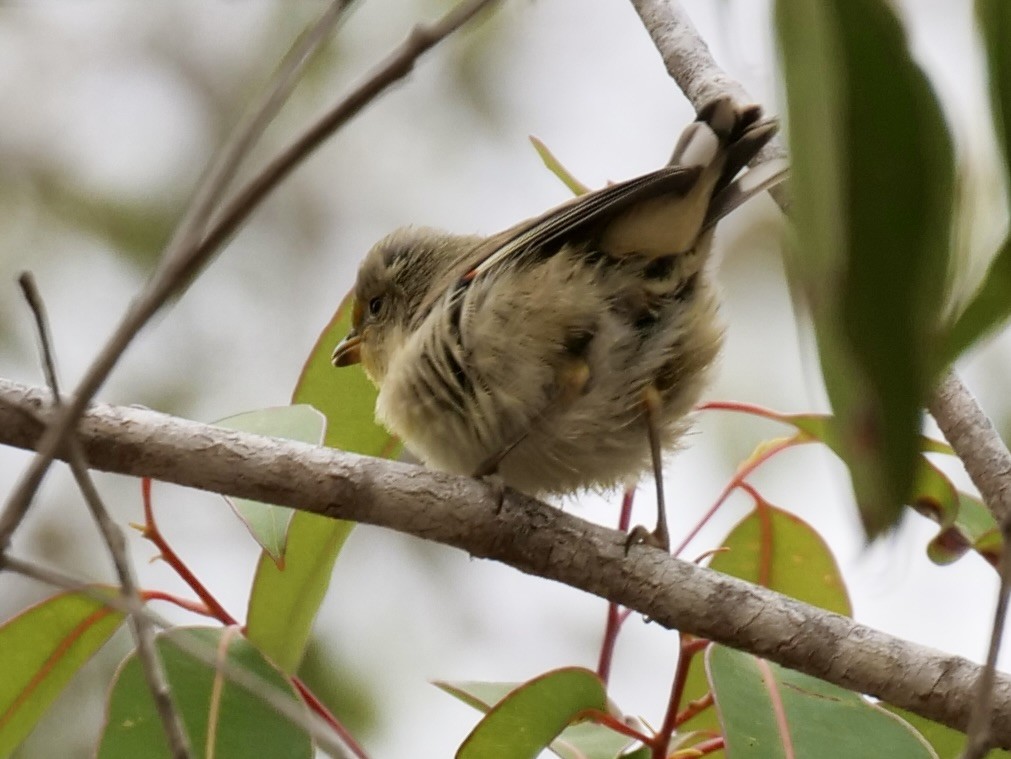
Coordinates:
<point>753,182</point>
<point>660,213</point>
<point>582,216</point>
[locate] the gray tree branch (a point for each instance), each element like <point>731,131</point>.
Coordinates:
<point>143,630</point>
<point>527,534</point>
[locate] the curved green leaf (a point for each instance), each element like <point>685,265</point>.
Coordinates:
<point>774,548</point>
<point>40,650</point>
<point>768,711</point>
<point>532,715</point>
<point>872,199</point>
<point>780,551</point>
<point>555,167</point>
<point>222,720</point>
<point>994,19</point>
<point>283,602</point>
<point>586,740</point>
<point>948,743</point>
<point>990,307</point>
<point>268,524</point>
<point>344,396</point>
<point>965,522</point>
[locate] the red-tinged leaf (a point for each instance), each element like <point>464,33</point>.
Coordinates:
<point>284,603</point>
<point>766,449</point>
<point>222,720</point>
<point>774,548</point>
<point>780,551</point>
<point>521,720</point>
<point>965,521</point>
<point>768,711</point>
<point>40,651</point>
<point>268,524</point>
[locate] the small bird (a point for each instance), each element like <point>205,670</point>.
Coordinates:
<point>564,353</point>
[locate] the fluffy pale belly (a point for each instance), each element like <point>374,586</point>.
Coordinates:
<point>458,401</point>
<point>559,449</point>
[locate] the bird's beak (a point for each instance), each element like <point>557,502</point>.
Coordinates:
<point>348,350</point>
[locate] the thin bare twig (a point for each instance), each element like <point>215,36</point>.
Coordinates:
<point>278,700</point>
<point>143,632</point>
<point>529,535</point>
<point>38,308</point>
<point>974,438</point>
<point>179,268</point>
<point>979,737</point>
<point>988,462</point>
<point>181,256</point>
<point>398,64</point>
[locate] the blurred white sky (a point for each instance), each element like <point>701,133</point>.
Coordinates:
<point>118,98</point>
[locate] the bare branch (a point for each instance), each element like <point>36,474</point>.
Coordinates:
<point>529,535</point>
<point>143,632</point>
<point>398,64</point>
<point>988,462</point>
<point>977,443</point>
<point>172,272</point>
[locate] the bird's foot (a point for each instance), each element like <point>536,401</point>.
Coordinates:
<point>639,535</point>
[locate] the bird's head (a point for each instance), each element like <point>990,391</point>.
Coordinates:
<point>394,281</point>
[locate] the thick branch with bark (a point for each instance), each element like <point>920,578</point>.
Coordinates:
<point>525,533</point>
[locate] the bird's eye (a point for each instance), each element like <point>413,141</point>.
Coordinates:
<point>375,306</point>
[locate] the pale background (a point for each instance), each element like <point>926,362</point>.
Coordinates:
<point>110,111</point>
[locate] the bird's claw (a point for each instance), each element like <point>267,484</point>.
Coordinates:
<point>639,535</point>
<point>496,487</point>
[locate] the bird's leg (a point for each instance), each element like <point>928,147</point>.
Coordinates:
<point>572,379</point>
<point>660,537</point>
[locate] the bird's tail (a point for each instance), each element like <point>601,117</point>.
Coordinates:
<point>739,133</point>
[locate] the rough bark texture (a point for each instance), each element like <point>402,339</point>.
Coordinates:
<point>529,535</point>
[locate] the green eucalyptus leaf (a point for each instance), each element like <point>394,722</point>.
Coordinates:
<point>41,649</point>
<point>990,307</point>
<point>946,742</point>
<point>774,548</point>
<point>872,195</point>
<point>768,711</point>
<point>586,740</point>
<point>221,719</point>
<point>268,524</point>
<point>284,601</point>
<point>521,720</point>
